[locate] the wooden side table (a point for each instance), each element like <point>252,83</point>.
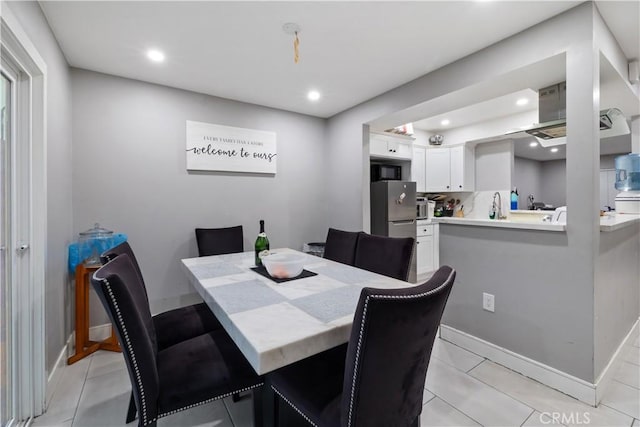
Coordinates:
<point>84,346</point>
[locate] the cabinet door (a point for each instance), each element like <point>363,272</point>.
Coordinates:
<point>418,169</point>
<point>424,254</point>
<point>438,170</point>
<point>403,150</point>
<point>377,146</point>
<point>457,169</point>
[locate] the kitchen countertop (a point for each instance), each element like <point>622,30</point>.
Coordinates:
<point>607,223</point>
<point>618,221</point>
<point>501,223</point>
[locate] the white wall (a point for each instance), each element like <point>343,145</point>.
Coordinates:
<point>58,295</point>
<point>130,175</point>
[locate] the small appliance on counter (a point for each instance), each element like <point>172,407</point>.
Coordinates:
<point>628,183</point>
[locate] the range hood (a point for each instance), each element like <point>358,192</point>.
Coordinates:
<point>552,113</point>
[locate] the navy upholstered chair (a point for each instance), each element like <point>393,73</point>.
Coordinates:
<point>390,256</point>
<point>186,374</point>
<point>178,324</point>
<point>378,378</point>
<point>219,241</point>
<point>341,246</point>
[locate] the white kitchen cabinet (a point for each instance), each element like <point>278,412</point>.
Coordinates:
<point>427,256</point>
<point>418,168</point>
<point>390,146</point>
<point>450,169</point>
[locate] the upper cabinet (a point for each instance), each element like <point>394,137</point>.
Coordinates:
<point>418,168</point>
<point>389,146</point>
<point>450,169</point>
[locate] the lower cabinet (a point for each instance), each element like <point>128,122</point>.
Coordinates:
<point>427,256</point>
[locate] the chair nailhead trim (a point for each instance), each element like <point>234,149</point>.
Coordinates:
<point>130,351</point>
<point>364,316</point>
<point>208,400</point>
<point>294,407</point>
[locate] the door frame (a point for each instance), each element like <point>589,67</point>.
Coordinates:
<point>29,371</point>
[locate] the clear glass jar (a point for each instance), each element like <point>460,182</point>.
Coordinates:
<point>93,242</point>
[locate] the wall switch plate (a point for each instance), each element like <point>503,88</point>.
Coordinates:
<point>488,302</point>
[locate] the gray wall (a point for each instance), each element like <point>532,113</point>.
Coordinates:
<point>617,291</point>
<point>130,175</point>
<point>493,166</point>
<point>553,181</point>
<point>527,178</point>
<point>59,214</point>
<point>540,310</point>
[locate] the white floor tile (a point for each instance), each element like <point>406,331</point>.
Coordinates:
<point>455,356</point>
<point>104,362</point>
<point>47,424</point>
<point>545,399</point>
<point>427,396</point>
<point>478,401</point>
<point>538,419</point>
<point>66,396</point>
<point>241,412</point>
<point>623,398</point>
<point>213,414</point>
<point>438,413</point>
<point>632,355</point>
<point>104,400</point>
<point>628,374</point>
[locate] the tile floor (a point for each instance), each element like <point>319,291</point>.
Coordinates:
<point>462,389</point>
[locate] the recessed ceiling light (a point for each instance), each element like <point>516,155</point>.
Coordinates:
<point>445,122</point>
<point>313,95</point>
<point>533,144</point>
<point>155,55</point>
<point>522,101</point>
<point>554,150</point>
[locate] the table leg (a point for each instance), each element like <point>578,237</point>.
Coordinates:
<point>264,406</point>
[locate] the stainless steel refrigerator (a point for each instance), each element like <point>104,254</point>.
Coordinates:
<point>393,212</point>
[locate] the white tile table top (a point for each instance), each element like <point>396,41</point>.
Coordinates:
<point>275,324</point>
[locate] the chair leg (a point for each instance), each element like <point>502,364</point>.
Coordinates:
<point>131,412</point>
<point>416,422</point>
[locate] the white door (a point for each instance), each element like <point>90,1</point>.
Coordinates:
<point>6,413</point>
<point>418,169</point>
<point>438,170</point>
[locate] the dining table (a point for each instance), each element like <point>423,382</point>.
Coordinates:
<point>276,324</point>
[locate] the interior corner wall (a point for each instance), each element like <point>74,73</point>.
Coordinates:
<point>58,294</point>
<point>129,175</point>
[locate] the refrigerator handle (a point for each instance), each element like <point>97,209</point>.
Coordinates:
<point>404,222</point>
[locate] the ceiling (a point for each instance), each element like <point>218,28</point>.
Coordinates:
<point>349,51</point>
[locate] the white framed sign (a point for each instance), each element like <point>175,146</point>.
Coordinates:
<point>225,148</point>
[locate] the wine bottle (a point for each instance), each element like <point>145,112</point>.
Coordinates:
<point>262,244</point>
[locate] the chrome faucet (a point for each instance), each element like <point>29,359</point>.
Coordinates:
<point>498,212</point>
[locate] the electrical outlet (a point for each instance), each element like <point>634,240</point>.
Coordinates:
<point>488,302</point>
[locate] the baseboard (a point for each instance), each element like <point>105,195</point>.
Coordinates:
<point>606,376</point>
<point>56,372</point>
<point>100,332</point>
<point>554,378</point>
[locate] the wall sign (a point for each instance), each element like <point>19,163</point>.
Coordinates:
<point>226,148</point>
